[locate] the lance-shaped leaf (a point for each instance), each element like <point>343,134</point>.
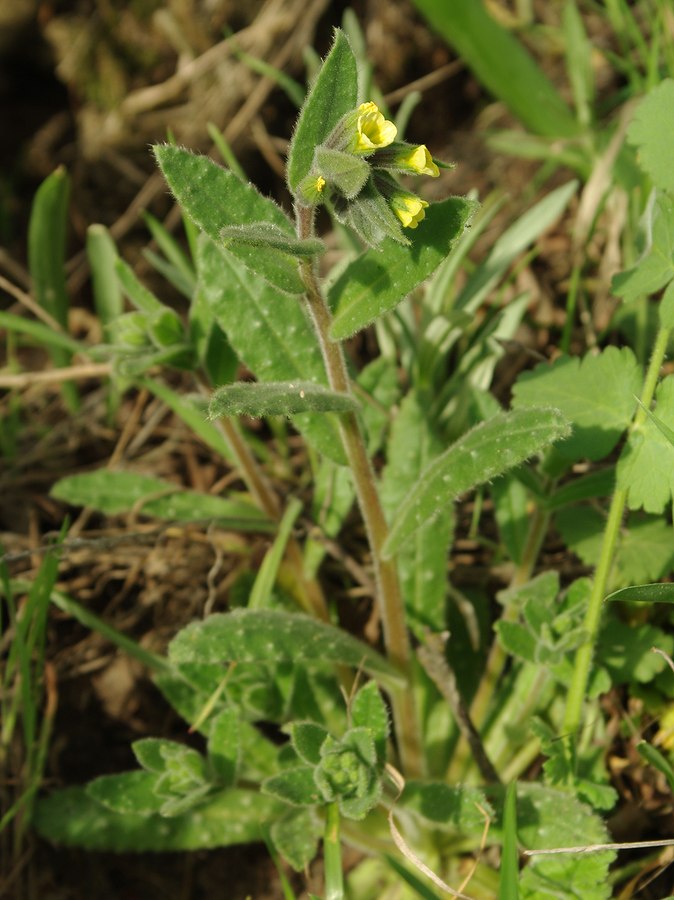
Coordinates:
<point>645,593</point>
<point>215,198</point>
<point>269,333</point>
<point>379,279</point>
<point>277,398</point>
<point>333,94</point>
<point>488,450</point>
<point>267,236</point>
<point>272,635</point>
<point>73,818</point>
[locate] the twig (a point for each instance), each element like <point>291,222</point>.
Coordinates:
<point>56,376</point>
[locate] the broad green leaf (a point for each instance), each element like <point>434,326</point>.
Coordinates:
<point>151,753</point>
<point>270,334</point>
<point>488,450</point>
<point>645,548</point>
<point>378,280</point>
<point>422,561</point>
<point>295,836</point>
<point>508,886</point>
<point>646,466</point>
<point>656,266</point>
<point>548,818</point>
<point>627,651</point>
<point>277,398</point>
<point>645,593</point>
<point>333,94</point>
<point>118,492</point>
<point>215,198</point>
<point>128,792</point>
<point>596,394</point>
<point>269,635</point>
<point>651,130</point>
<point>445,807</point>
<point>72,818</point>
<point>502,64</point>
<point>295,786</point>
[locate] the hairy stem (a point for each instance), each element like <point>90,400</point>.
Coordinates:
<point>388,587</point>
<point>585,653</point>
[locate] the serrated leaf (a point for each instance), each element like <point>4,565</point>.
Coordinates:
<point>295,836</point>
<point>215,198</point>
<point>378,280</point>
<point>72,818</point>
<point>422,562</point>
<point>277,398</point>
<point>333,94</point>
<point>645,549</point>
<point>646,466</point>
<point>270,334</point>
<point>118,492</point>
<point>488,450</point>
<point>295,786</point>
<point>596,394</point>
<point>656,266</point>
<point>128,792</point>
<point>270,635</point>
<point>651,130</point>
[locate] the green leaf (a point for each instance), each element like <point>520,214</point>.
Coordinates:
<point>488,450</point>
<point>379,279</point>
<point>596,394</point>
<point>502,64</point>
<point>651,130</point>
<point>307,739</point>
<point>72,818</point>
<point>117,492</point>
<point>645,593</point>
<point>129,792</point>
<point>646,466</point>
<point>102,256</point>
<point>224,745</point>
<point>508,886</point>
<point>215,198</point>
<point>645,549</point>
<point>346,172</point>
<point>445,807</point>
<point>333,94</point>
<point>266,236</point>
<point>656,266</point>
<point>368,710</point>
<point>422,561</point>
<point>270,334</point>
<point>142,298</point>
<point>295,786</point>
<point>511,510</point>
<point>295,836</point>
<point>152,753</point>
<point>267,635</point>
<point>277,398</point>
<point>627,651</point>
<point>653,756</point>
<point>42,334</point>
<point>666,307</point>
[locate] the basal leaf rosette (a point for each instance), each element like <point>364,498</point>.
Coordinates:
<point>348,773</point>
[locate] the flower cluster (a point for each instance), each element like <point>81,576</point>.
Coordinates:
<point>354,170</point>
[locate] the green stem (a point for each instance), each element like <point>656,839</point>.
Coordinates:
<point>332,855</point>
<point>388,586</point>
<point>585,653</point>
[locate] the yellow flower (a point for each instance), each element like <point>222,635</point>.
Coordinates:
<point>420,161</point>
<point>374,131</point>
<point>320,184</point>
<point>409,209</point>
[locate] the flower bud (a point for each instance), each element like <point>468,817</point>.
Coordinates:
<point>408,158</point>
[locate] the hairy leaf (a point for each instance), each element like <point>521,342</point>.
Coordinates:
<point>651,130</point>
<point>277,398</point>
